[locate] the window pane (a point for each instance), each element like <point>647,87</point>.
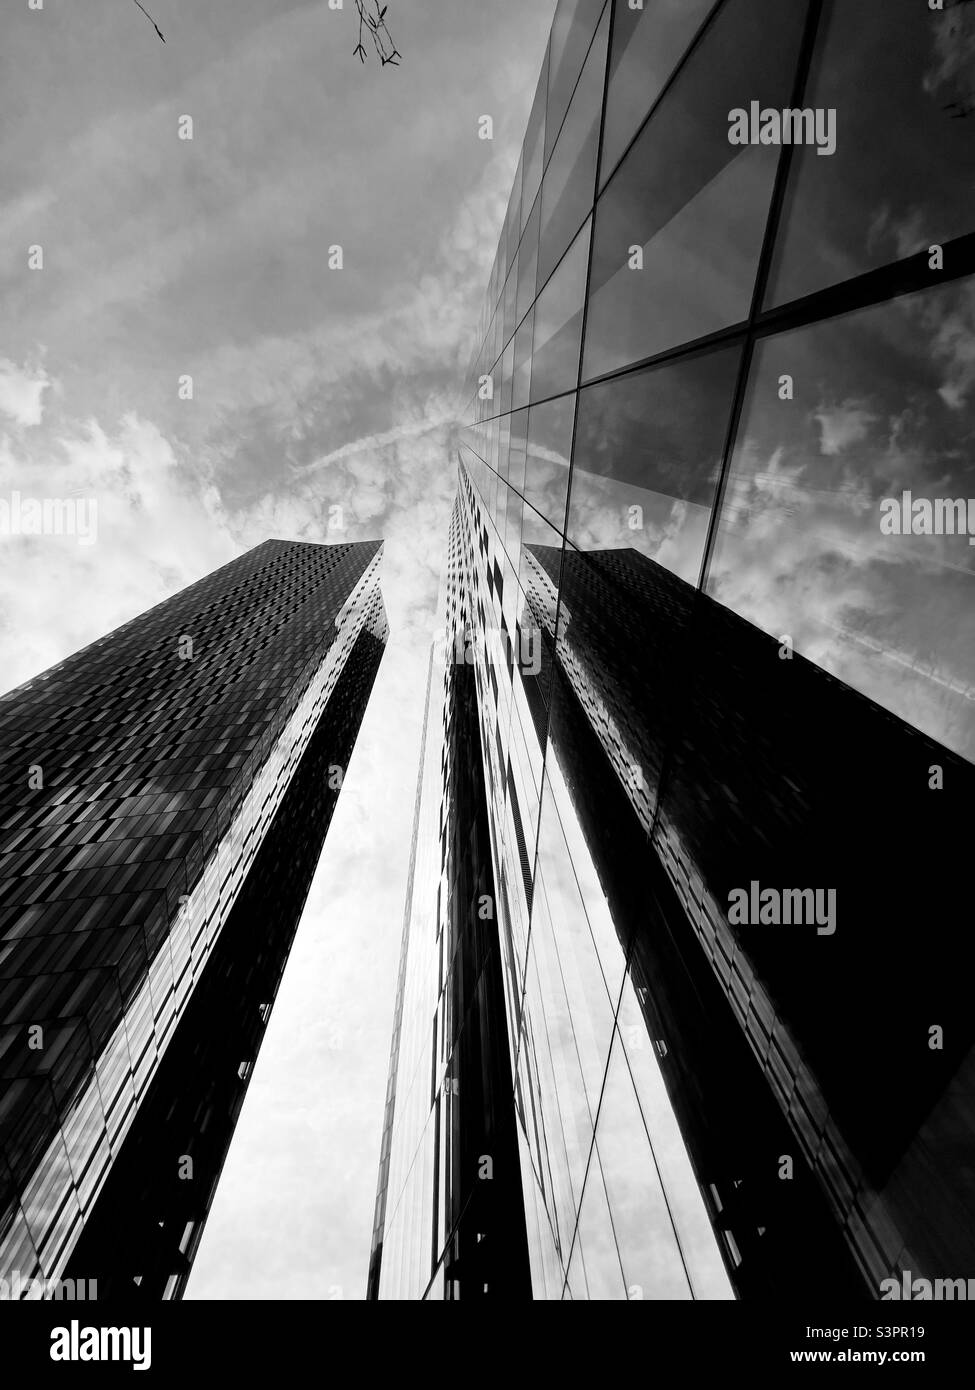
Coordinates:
<point>572,29</point>
<point>634,1069</point>
<point>512,226</point>
<point>568,185</point>
<point>518,427</point>
<point>647,458</point>
<point>647,45</point>
<point>510,301</point>
<point>648,1250</point>
<point>523,363</point>
<point>539,581</point>
<point>694,204</point>
<point>549,447</point>
<point>528,262</point>
<point>884,405</point>
<point>507,365</point>
<point>511,539</point>
<point>595,1271</point>
<point>534,147</point>
<point>895,184</point>
<point>558,323</point>
<point>502,430</point>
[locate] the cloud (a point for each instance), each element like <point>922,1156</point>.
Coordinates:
<point>21,392</point>
<point>953,345</point>
<point>953,57</point>
<point>842,425</point>
<point>158,529</point>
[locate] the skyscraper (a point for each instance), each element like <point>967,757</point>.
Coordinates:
<point>708,638</point>
<point>166,795</point>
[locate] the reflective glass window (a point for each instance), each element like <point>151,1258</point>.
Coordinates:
<point>533,150</point>
<point>539,585</point>
<point>595,1271</point>
<point>510,301</point>
<point>896,183</point>
<point>521,376</point>
<point>568,185</point>
<point>507,367</point>
<point>647,45</point>
<point>549,449</point>
<point>649,1251</point>
<point>518,433</point>
<point>638,1061</point>
<point>679,227</point>
<point>528,262</point>
<point>512,225</point>
<point>558,323</point>
<point>647,458</point>
<point>845,521</point>
<point>572,30</point>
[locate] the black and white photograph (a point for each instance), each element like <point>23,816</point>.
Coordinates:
<point>487,678</point>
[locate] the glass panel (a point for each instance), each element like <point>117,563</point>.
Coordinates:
<point>510,532</point>
<point>811,538</point>
<point>528,262</point>
<point>507,365</point>
<point>558,323</point>
<point>572,29</point>
<point>647,45</point>
<point>523,363</point>
<point>518,428</point>
<point>692,206</point>
<point>510,301</point>
<point>494,445</point>
<point>635,1063</point>
<point>494,285</point>
<point>539,581</point>
<point>512,225</point>
<point>549,446</point>
<point>503,427</point>
<point>895,184</point>
<point>568,185</point>
<point>647,457</point>
<point>496,335</point>
<point>550,1069</point>
<point>578,1010</point>
<point>596,1257</point>
<point>647,1212</point>
<point>534,147</point>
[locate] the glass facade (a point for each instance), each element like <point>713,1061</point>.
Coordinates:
<point>166,793</point>
<point>707,664</point>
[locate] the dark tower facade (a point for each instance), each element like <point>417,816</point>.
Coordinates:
<point>711,569</point>
<point>166,795</point>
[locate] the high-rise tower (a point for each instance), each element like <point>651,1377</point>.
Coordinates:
<point>165,797</point>
<point>710,582</point>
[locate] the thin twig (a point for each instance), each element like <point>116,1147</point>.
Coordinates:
<point>151,20</point>
<point>382,39</point>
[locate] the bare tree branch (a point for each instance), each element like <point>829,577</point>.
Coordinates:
<point>151,20</point>
<point>382,39</point>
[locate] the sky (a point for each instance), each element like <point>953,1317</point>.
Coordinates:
<point>324,405</point>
